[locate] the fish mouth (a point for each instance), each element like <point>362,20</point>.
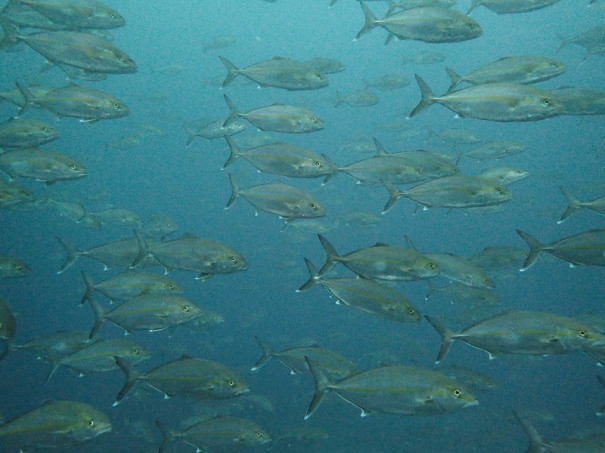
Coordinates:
<point>471,403</point>
<point>242,392</point>
<point>103,429</point>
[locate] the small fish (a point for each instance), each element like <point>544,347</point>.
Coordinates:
<point>26,133</point>
<point>12,267</point>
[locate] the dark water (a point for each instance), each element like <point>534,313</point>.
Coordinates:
<point>162,176</point>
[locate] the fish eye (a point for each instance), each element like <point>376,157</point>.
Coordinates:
<point>317,163</point>
<point>258,434</point>
<point>582,333</point>
<point>116,105</point>
<point>18,267</point>
<point>432,266</point>
<point>135,351</point>
<point>91,423</point>
<point>546,101</point>
<point>457,393</point>
<point>233,259</point>
<point>313,120</point>
<point>44,129</point>
<point>411,311</point>
<point>231,383</point>
<point>170,286</point>
<point>73,166</point>
<point>185,307</point>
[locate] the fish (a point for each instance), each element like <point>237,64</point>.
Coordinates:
<point>504,176</point>
<point>55,424</point>
<point>427,23</point>
<point>461,293</point>
<point>130,284</point>
<point>206,257</point>
<point>26,133</point>
<point>13,267</point>
<point>496,149</point>
<point>500,101</point>
<point>574,204</point>
<point>8,327</point>
<point>424,56</point>
<point>87,104</point>
<point>83,50</point>
<point>152,312</point>
<point>522,332</point>
<point>457,191</point>
<point>277,118</point>
<point>118,253</point>
<point>13,194</point>
<point>511,6</point>
<point>159,226</point>
<point>519,69</point>
<point>357,98</point>
<point>41,164</point>
<point>584,248</point>
<point>381,261</point>
<point>279,72</point>
<point>98,356</point>
<point>499,257</point>
<point>294,358</point>
<point>278,198</point>
<point>579,100</point>
<point>402,390</point>
<point>461,270</point>
<point>593,41</point>
<point>55,346</point>
<point>117,216</point>
<point>77,14</point>
<point>365,295</point>
<point>326,65</point>
<point>409,4</point>
<point>284,159</point>
<point>187,376</point>
<point>458,136</point>
<point>211,130</point>
<point>586,442</point>
<point>15,96</point>
<point>220,433</point>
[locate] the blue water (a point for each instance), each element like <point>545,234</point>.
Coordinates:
<point>163,177</point>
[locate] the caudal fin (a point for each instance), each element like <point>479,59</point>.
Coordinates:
<point>233,71</point>
<point>322,384</point>
<point>90,286</point>
<point>312,278</point>
<point>100,316</point>
<point>573,204</point>
<point>535,248</point>
<point>234,150</point>
<point>267,354</point>
<point>331,255</point>
<point>447,337</point>
<point>395,194</point>
<point>234,191</point>
<point>370,20</point>
<point>428,98</point>
<point>167,436</point>
<point>536,443</point>
<point>474,6</point>
<point>131,378</point>
<point>455,78</point>
<point>233,112</point>
<point>72,255</point>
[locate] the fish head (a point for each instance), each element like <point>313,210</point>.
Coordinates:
<point>402,313</point>
<point>115,109</point>
<point>317,79</point>
<point>230,262</point>
<point>312,209</point>
<point>454,396</point>
<point>231,385</point>
<point>89,423</point>
<point>472,28</point>
<point>425,268</point>
<point>77,170</point>
<point>127,64</point>
<point>312,123</point>
<point>49,132</point>
<point>258,437</point>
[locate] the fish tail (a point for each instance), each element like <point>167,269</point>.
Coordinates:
<point>234,191</point>
<point>235,152</point>
<point>167,436</point>
<point>233,112</point>
<point>380,150</point>
<point>536,443</point>
<point>143,250</point>
<point>331,255</point>
<point>332,165</point>
<point>370,20</point>
<point>8,30</point>
<point>535,247</point>
<point>573,205</point>
<point>447,337</point>
<point>392,7</point>
<point>28,98</point>
<point>267,354</point>
<point>454,77</point>
<point>428,98</point>
<point>51,373</point>
<point>313,276</point>
<point>233,71</point>
<point>395,194</point>
<point>564,42</point>
<point>332,3</point>
<point>100,315</point>
<point>131,378</point>
<point>7,348</point>
<point>72,255</point>
<point>339,99</point>
<point>190,134</point>
<point>322,384</point>
<point>90,286</point>
<point>474,6</point>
